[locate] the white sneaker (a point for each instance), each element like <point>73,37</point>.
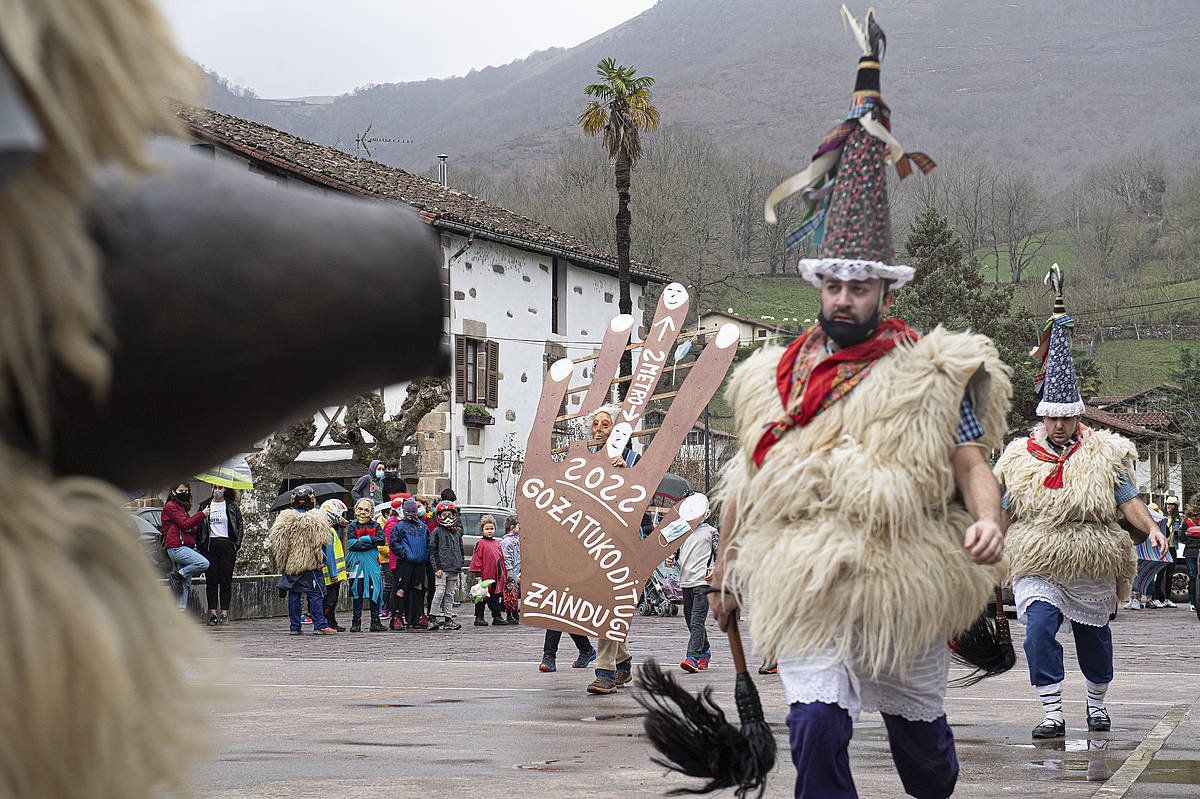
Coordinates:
<point>1154,603</point>
<point>1132,604</point>
<point>1169,604</point>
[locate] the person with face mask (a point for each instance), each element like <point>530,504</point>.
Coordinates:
<point>362,565</point>
<point>180,530</point>
<point>334,568</point>
<point>370,485</point>
<point>614,663</point>
<point>220,540</point>
<point>409,542</point>
<point>446,558</point>
<point>392,484</point>
<point>298,538</point>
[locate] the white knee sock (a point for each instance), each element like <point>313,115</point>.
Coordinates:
<point>1095,694</point>
<point>1051,696</point>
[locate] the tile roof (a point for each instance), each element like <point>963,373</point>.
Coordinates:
<point>440,205</point>
<point>1118,422</point>
<point>1151,419</point>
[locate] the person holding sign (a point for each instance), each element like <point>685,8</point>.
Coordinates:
<point>586,543</point>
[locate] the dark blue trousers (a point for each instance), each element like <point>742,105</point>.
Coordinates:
<point>316,609</point>
<point>1093,647</point>
<point>820,733</point>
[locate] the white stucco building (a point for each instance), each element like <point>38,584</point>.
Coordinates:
<point>750,331</point>
<point>520,295</point>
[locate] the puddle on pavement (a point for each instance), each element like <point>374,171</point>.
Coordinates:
<point>1178,772</point>
<point>1095,768</point>
<point>381,704</point>
<point>613,717</point>
<point>540,765</point>
<point>447,701</point>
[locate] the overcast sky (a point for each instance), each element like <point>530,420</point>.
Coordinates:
<point>294,48</point>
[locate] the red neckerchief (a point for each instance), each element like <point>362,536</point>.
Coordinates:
<point>1055,478</point>
<point>805,390</point>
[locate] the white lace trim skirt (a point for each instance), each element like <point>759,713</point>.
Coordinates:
<point>1085,600</point>
<point>918,695</point>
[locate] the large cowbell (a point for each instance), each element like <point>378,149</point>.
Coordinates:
<point>237,305</point>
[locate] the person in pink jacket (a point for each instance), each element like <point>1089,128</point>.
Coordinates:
<point>488,564</point>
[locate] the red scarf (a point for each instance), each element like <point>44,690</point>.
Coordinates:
<point>806,389</point>
<point>1055,478</point>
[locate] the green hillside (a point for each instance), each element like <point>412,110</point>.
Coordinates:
<point>1127,367</point>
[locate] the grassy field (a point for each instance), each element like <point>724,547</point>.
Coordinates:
<point>782,298</point>
<point>1129,366</point>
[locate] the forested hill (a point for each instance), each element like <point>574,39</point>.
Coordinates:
<point>1051,86</point>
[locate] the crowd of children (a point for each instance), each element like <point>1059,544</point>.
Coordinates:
<point>403,558</point>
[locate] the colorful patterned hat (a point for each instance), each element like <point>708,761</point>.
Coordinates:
<point>1057,386</point>
<point>845,186</point>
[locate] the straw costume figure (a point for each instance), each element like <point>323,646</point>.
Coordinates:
<point>1067,487</point>
<point>862,517</point>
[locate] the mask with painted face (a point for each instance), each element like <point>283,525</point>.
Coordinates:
<point>363,511</point>
<point>218,494</point>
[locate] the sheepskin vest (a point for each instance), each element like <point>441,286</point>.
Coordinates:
<point>298,540</point>
<point>849,537</point>
<point>1065,532</point>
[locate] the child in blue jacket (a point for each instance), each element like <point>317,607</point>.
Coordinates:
<point>409,540</point>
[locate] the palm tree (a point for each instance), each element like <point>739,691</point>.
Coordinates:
<point>619,108</point>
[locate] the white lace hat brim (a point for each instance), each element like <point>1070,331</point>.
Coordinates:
<point>814,269</point>
<point>1060,410</point>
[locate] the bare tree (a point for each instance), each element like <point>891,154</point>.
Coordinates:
<point>369,431</point>
<point>1018,230</point>
<point>267,466</point>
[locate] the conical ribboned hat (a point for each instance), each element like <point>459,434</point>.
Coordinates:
<point>1057,385</point>
<point>845,186</point>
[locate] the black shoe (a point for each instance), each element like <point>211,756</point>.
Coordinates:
<point>513,620</point>
<point>480,623</point>
<point>356,626</point>
<point>212,621</point>
<point>1098,720</point>
<point>451,625</point>
<point>1050,729</point>
<point>499,623</point>
<point>339,628</point>
<point>175,580</point>
<point>377,626</point>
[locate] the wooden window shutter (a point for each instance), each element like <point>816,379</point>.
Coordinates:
<point>460,369</point>
<point>493,374</point>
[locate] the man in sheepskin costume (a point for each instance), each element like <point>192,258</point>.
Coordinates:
<point>1066,487</point>
<point>298,539</point>
<point>864,518</point>
<point>120,258</point>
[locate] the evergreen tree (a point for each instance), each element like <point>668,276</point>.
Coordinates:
<point>949,289</point>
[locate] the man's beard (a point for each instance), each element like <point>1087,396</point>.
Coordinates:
<point>847,334</point>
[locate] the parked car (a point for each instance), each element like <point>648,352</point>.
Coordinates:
<point>150,514</point>
<point>150,539</point>
<point>469,516</point>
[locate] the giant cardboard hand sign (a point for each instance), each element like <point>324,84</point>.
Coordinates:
<point>584,561</point>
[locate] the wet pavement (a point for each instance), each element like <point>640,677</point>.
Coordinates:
<point>433,714</point>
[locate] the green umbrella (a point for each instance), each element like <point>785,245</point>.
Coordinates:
<point>233,473</point>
